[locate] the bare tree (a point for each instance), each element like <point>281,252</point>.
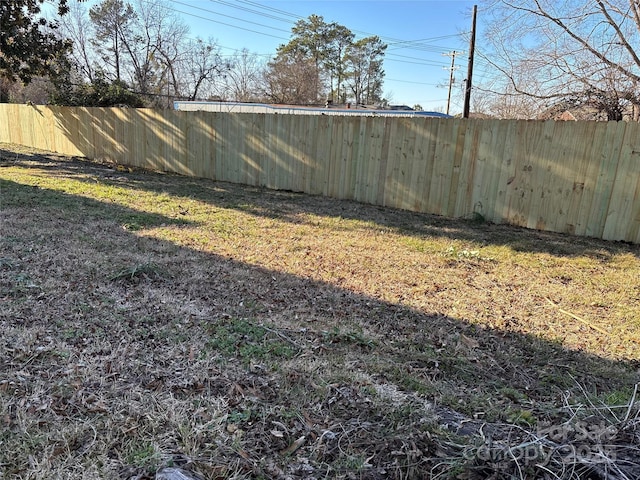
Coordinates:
<point>171,55</point>
<point>148,30</point>
<point>242,80</point>
<point>583,50</point>
<point>143,38</point>
<point>202,68</point>
<point>77,27</point>
<point>291,78</point>
<point>143,43</point>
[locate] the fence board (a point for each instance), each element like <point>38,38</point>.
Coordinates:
<point>575,177</point>
<point>374,159</point>
<point>584,135</point>
<point>598,136</point>
<point>620,213</point>
<point>439,181</point>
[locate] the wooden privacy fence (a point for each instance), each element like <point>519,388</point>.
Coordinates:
<point>574,177</point>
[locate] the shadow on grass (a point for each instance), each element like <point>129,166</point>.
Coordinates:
<point>443,359</point>
<point>394,322</point>
<point>289,206</point>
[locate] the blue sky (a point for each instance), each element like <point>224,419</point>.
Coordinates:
<point>418,33</point>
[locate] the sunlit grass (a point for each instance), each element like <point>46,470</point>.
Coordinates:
<point>174,316</point>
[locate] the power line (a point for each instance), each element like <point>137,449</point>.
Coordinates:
<point>272,9</point>
<point>227,16</point>
<point>292,18</point>
<point>418,60</point>
<point>409,81</point>
<point>390,56</point>
<point>250,10</point>
<point>272,15</point>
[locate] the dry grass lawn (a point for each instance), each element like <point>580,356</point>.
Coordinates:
<point>151,320</point>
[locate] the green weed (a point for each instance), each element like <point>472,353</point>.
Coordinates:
<point>247,341</point>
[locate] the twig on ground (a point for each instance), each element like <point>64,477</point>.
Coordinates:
<point>589,324</point>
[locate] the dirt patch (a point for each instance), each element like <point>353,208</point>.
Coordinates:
<point>152,320</point>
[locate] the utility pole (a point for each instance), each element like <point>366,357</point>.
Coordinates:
<point>472,49</point>
<point>452,69</point>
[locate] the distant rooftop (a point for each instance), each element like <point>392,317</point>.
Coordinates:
<point>347,109</point>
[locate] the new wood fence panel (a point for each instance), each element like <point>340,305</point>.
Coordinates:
<point>531,200</point>
<point>392,168</point>
<point>513,151</point>
<point>536,148</point>
<point>289,157</point>
<point>620,215</point>
<point>607,158</point>
<point>104,135</point>
<point>592,160</point>
<point>355,147</point>
<point>5,126</point>
<point>27,128</point>
<point>563,171</point>
<point>453,207</point>
<point>412,160</point>
<point>575,177</point>
<point>429,202</point>
<point>485,169</point>
<point>569,162</point>
<point>399,164</point>
<point>361,159</point>
<point>633,231</point>
<point>442,160</point>
<point>295,156</point>
<point>254,157</point>
<point>273,150</point>
<point>585,135</point>
<point>223,150</point>
<point>37,126</point>
<point>504,140</point>
<point>323,148</point>
<point>450,178</point>
<point>64,120</point>
<point>311,159</point>
<point>382,173</point>
<point>418,165</point>
<point>298,155</point>
<point>350,146</point>
<point>340,160</point>
<point>575,187</point>
<point>373,161</point>
<point>405,155</point>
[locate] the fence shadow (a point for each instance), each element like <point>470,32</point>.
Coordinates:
<point>417,344</point>
<point>321,300</point>
<point>293,207</point>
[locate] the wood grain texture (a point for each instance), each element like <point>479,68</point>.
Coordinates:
<point>580,178</point>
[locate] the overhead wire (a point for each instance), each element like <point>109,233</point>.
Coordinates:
<point>228,16</point>
<point>390,56</point>
<point>250,10</point>
<point>417,45</point>
<point>426,45</point>
<point>392,42</point>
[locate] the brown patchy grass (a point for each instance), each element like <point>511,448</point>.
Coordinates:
<point>152,320</point>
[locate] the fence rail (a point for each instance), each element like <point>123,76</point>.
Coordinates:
<point>574,177</point>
